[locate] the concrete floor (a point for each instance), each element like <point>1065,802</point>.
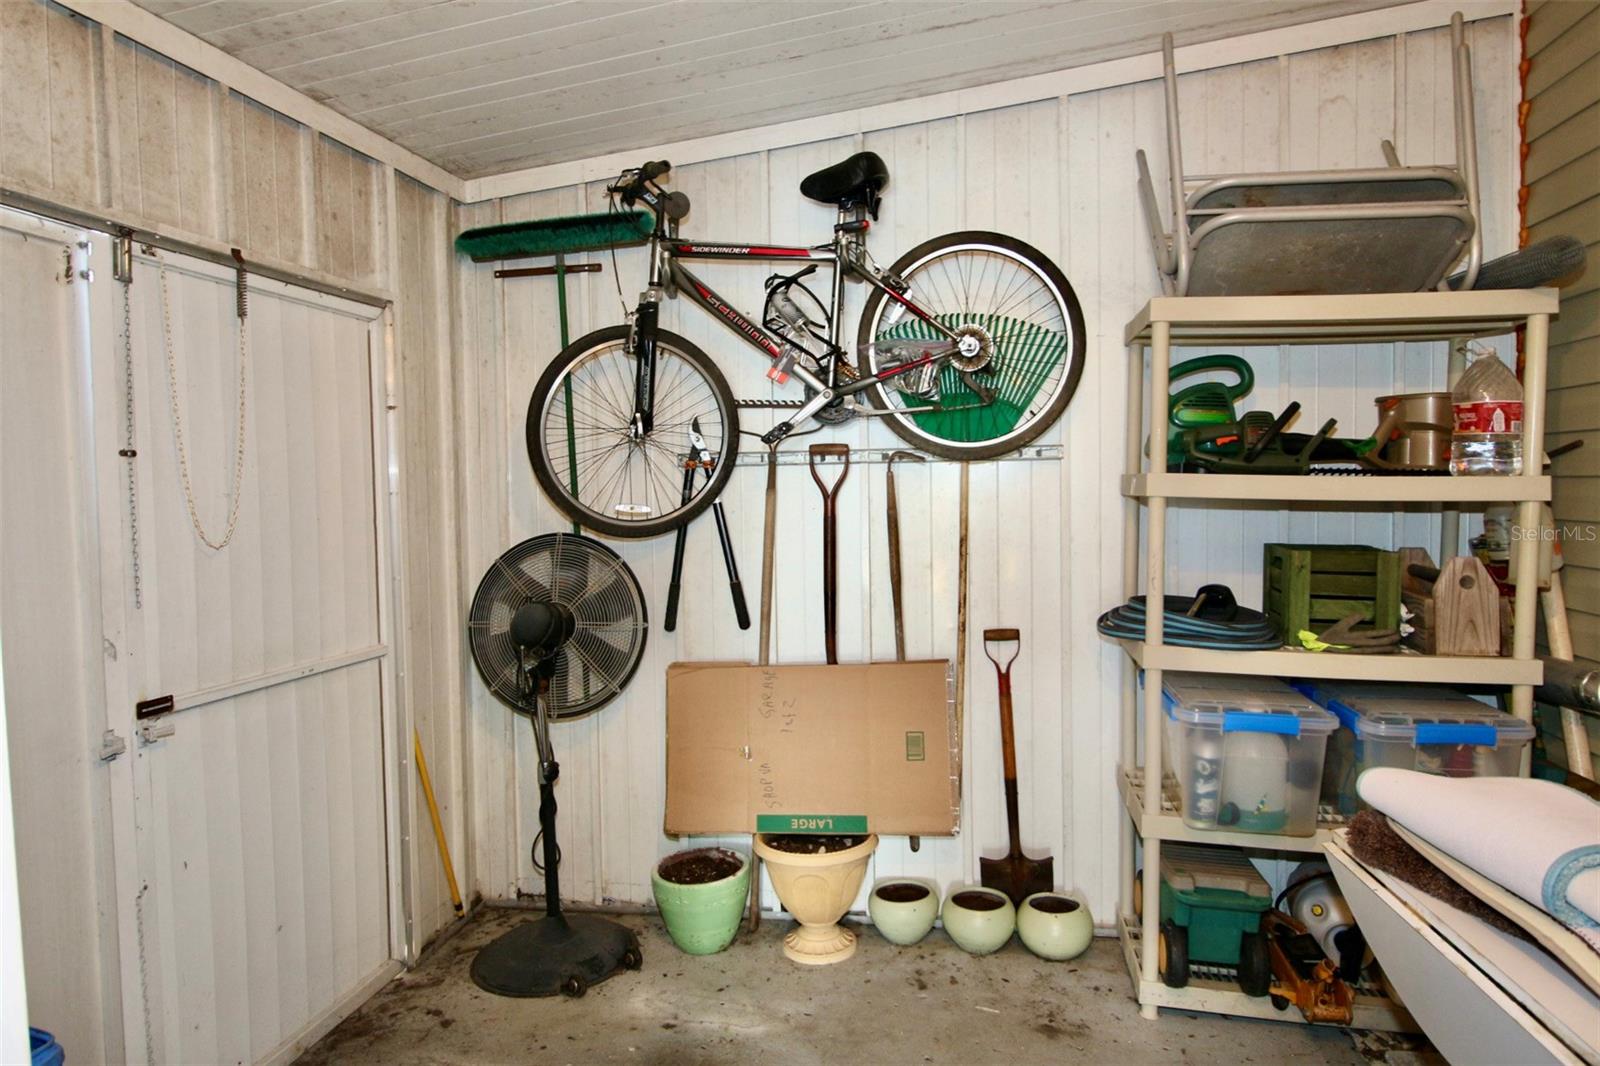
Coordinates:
<point>929,1003</point>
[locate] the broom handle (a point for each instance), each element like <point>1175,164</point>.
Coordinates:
<point>768,538</point>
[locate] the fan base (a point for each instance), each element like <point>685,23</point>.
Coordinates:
<point>564,954</point>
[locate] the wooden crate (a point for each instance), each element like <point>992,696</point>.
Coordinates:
<point>1312,586</point>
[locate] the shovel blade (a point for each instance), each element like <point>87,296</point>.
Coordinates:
<point>1018,876</point>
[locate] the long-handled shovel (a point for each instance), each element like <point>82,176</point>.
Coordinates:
<point>893,512</point>
<point>830,543</point>
<point>1016,875</point>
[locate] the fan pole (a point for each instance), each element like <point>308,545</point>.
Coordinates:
<point>549,770</point>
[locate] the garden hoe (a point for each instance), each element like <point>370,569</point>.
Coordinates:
<point>1016,875</point>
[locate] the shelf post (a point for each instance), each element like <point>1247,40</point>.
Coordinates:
<point>1130,585</point>
<point>1154,631</point>
<point>1528,533</point>
<point>1450,517</point>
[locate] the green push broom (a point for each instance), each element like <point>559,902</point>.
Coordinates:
<point>558,237</point>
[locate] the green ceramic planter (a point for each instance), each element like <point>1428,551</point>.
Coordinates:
<point>1055,926</point>
<point>703,919</point>
<point>979,920</point>
<point>900,913</point>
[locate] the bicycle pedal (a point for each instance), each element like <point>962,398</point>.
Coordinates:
<point>777,433</point>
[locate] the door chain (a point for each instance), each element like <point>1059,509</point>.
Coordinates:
<point>123,252</point>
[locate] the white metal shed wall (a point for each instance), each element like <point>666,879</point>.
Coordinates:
<point>1046,536</point>
<point>96,126</point>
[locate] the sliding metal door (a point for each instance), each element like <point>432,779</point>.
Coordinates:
<point>261,903</point>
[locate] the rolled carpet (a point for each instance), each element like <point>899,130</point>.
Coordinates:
<point>1535,839</point>
<point>1376,843</point>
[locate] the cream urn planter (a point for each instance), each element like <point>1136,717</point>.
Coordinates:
<point>817,888</point>
<point>903,910</point>
<point>1055,926</point>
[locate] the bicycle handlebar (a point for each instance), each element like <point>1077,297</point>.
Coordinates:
<point>632,182</point>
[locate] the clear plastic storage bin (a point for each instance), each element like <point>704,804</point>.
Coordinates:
<point>1246,752</point>
<point>1413,727</point>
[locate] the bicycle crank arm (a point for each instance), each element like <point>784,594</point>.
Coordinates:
<point>817,402</point>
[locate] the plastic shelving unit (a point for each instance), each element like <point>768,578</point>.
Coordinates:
<point>1168,322</point>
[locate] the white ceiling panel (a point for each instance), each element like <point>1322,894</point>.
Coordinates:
<point>486,86</point>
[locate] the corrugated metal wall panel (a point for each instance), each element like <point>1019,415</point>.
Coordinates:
<point>54,693</point>
<point>432,630</point>
<point>260,820</point>
<point>94,122</point>
<point>1046,537</point>
<point>133,132</point>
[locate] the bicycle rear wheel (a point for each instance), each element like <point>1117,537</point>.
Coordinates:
<point>594,468</point>
<point>1021,312</point>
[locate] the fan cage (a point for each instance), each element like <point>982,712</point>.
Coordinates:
<point>592,582</point>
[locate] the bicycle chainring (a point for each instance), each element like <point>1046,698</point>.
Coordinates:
<point>839,411</point>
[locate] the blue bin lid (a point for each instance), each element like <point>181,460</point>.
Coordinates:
<point>1418,714</point>
<point>1235,704</point>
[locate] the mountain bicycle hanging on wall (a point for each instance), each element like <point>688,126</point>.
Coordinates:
<point>969,347</point>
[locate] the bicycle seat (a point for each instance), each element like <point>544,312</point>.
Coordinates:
<point>857,180</point>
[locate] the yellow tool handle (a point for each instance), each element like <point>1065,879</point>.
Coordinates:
<point>438,826</point>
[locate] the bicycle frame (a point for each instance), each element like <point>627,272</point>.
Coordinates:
<point>846,253</point>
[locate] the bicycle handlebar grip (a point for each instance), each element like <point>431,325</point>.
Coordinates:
<point>652,171</point>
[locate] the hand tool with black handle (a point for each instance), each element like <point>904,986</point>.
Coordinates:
<point>669,621</point>
<point>740,610</point>
<point>701,459</point>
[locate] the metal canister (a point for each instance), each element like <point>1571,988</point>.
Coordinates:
<point>1421,439</point>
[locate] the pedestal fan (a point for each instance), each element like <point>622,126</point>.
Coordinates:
<point>557,628</point>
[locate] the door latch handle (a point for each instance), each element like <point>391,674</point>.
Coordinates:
<point>156,729</point>
<point>111,745</point>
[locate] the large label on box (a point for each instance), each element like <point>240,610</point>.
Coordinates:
<point>850,824</point>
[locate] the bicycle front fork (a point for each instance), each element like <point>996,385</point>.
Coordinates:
<point>644,374</point>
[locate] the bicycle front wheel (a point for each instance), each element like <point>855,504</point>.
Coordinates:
<point>591,463</point>
<point>1024,337</point>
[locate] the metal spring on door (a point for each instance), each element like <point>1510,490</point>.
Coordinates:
<point>241,286</point>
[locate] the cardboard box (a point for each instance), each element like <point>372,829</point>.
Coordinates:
<point>865,747</point>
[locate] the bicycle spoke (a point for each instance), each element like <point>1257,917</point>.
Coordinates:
<point>1003,296</point>
<point>587,427</point>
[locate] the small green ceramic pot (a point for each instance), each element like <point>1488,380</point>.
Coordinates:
<point>702,919</point>
<point>980,920</point>
<point>1055,926</point>
<point>903,911</point>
